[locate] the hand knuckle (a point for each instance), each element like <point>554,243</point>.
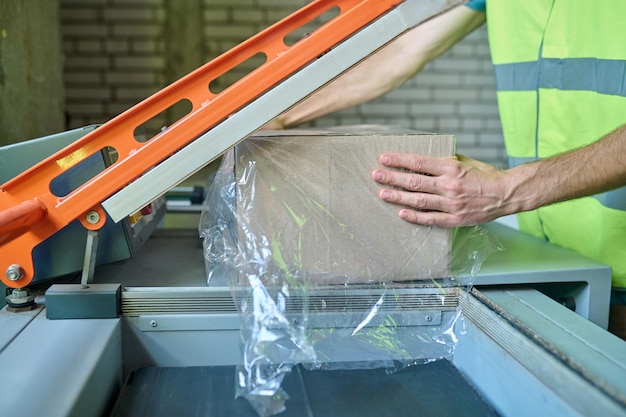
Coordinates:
<point>429,220</point>
<point>416,163</point>
<point>415,183</point>
<point>457,206</point>
<point>421,202</point>
<point>454,188</point>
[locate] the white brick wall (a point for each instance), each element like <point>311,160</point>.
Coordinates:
<point>114,58</point>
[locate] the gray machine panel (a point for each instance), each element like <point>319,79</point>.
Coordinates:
<point>61,254</point>
<point>581,283</point>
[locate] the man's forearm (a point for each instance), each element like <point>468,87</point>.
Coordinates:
<point>461,192</point>
<point>595,168</point>
<point>387,69</point>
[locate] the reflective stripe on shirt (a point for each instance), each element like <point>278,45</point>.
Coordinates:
<point>603,76</point>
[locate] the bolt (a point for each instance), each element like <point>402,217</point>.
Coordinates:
<point>153,323</point>
<point>15,272</point>
<point>93,217</point>
<point>20,293</point>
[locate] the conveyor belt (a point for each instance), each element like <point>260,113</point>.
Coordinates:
<point>434,389</point>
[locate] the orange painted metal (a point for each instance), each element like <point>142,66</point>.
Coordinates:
<point>20,218</point>
<point>135,158</point>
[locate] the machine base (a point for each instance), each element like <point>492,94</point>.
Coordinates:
<point>74,301</point>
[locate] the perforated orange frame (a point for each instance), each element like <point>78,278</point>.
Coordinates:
<point>30,213</point>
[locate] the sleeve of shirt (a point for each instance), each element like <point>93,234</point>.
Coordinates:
<point>478,5</point>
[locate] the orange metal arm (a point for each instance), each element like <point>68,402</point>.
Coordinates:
<point>20,218</point>
<point>41,213</point>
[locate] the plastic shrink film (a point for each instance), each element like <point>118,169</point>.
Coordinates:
<point>323,272</point>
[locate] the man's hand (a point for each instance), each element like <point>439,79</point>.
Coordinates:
<point>443,191</point>
<point>461,192</point>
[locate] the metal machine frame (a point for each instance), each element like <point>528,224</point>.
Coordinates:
<point>30,212</point>
<point>526,354</point>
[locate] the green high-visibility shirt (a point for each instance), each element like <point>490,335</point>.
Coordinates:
<point>560,68</point>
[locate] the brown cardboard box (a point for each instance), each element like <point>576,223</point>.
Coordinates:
<point>309,196</point>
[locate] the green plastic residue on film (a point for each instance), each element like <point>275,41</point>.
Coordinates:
<point>384,337</point>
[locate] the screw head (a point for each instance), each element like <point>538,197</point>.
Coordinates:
<point>93,217</point>
<point>14,272</point>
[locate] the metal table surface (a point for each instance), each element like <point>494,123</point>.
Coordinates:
<point>174,258</point>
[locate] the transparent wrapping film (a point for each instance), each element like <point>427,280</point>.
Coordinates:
<point>324,273</point>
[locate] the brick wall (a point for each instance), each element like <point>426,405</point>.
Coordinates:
<point>31,84</point>
<point>116,55</point>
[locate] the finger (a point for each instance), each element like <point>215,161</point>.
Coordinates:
<point>417,163</point>
<point>419,201</point>
<point>431,218</point>
<point>408,181</point>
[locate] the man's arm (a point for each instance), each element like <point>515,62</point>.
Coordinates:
<point>463,191</point>
<point>388,68</point>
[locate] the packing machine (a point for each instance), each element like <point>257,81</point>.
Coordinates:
<point>139,332</point>
<point>171,344</point>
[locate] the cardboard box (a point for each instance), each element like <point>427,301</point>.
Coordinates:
<point>309,196</point>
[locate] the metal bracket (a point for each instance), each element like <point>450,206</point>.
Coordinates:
<point>89,264</point>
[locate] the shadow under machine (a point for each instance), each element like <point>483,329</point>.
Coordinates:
<point>131,328</point>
